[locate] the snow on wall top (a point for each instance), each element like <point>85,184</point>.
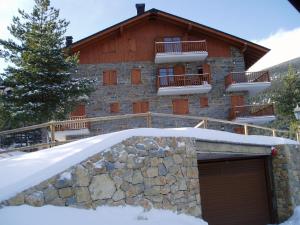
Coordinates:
<point>24,171</point>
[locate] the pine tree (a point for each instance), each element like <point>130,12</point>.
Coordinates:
<point>42,76</point>
<point>287,96</point>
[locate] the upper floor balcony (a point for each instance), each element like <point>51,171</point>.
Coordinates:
<point>183,84</point>
<point>255,114</point>
<point>180,51</point>
<point>253,82</point>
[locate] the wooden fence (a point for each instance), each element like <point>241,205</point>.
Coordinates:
<point>200,122</point>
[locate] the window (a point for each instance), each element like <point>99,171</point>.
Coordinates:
<point>114,107</point>
<point>200,70</point>
<point>140,107</point>
<point>180,106</point>
<point>166,75</point>
<point>78,111</point>
<point>172,44</point>
<point>204,102</point>
<point>136,76</point>
<point>109,77</point>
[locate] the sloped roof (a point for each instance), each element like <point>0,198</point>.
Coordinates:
<point>253,52</point>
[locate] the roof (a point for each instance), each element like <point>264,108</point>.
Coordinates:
<point>252,52</point>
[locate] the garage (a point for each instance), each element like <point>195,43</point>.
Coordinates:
<point>235,192</point>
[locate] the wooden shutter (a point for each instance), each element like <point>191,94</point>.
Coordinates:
<point>135,76</point>
<point>203,102</point>
<point>79,110</point>
<point>206,68</point>
<point>179,69</point>
<point>144,107</point>
<point>114,107</point>
<point>180,106</point>
<point>113,77</point>
<point>106,77</point>
<point>237,100</point>
<point>140,107</point>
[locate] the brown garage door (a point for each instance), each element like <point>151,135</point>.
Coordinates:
<point>234,192</point>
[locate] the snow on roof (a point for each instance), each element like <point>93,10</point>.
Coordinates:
<point>129,215</point>
<point>24,171</point>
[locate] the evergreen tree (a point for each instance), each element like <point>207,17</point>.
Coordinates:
<point>288,95</point>
<point>42,76</point>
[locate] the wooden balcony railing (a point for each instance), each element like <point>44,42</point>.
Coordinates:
<point>73,126</point>
<point>183,80</point>
<point>251,110</point>
<point>180,46</point>
<point>246,77</point>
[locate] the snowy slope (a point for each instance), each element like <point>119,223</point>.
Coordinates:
<point>295,218</point>
<point>21,172</point>
<point>129,215</point>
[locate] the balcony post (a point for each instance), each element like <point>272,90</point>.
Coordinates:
<point>274,133</point>
<point>52,130</point>
<point>246,129</point>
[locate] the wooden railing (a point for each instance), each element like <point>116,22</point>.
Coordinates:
<point>149,117</point>
<point>180,46</point>
<point>251,110</point>
<point>183,80</point>
<point>246,77</point>
<point>73,126</point>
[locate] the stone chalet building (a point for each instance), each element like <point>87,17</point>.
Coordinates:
<point>159,62</point>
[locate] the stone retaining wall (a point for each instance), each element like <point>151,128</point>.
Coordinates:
<point>286,172</point>
<point>150,172</point>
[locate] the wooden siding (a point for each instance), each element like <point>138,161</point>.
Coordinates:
<point>136,43</point>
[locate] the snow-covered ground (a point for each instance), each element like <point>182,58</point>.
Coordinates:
<point>129,215</point>
<point>21,172</point>
<point>295,218</point>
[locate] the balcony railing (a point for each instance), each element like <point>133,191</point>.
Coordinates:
<point>246,77</point>
<point>180,46</point>
<point>183,80</point>
<point>72,125</point>
<point>251,111</point>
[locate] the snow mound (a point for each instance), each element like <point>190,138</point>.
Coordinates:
<point>295,218</point>
<point>21,172</point>
<point>128,215</point>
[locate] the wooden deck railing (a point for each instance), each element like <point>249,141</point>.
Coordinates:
<point>180,46</point>
<point>183,80</point>
<point>251,110</point>
<point>246,77</point>
<point>73,126</point>
<point>149,117</point>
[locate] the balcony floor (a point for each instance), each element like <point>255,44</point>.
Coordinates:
<point>252,88</point>
<point>184,90</point>
<point>173,57</point>
<point>255,119</point>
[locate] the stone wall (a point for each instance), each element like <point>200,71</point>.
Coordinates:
<point>286,171</point>
<point>150,172</point>
<point>125,93</point>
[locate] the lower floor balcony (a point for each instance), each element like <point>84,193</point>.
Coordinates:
<point>183,84</point>
<point>255,114</point>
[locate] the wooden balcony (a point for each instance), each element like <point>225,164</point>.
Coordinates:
<point>73,126</point>
<point>183,84</point>
<point>253,82</point>
<point>256,114</point>
<point>180,51</point>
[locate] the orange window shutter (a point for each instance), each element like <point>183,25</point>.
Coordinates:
<point>136,76</point>
<point>144,107</point>
<point>206,68</point>
<point>106,77</point>
<point>180,106</point>
<point>204,102</point>
<point>79,110</point>
<point>113,77</point>
<point>174,103</point>
<point>185,104</point>
<point>179,69</point>
<point>114,107</point>
<point>136,107</point>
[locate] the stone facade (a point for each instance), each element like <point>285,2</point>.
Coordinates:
<point>286,171</point>
<point>150,172</point>
<point>125,93</point>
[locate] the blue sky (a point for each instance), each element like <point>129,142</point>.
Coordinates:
<point>255,20</point>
